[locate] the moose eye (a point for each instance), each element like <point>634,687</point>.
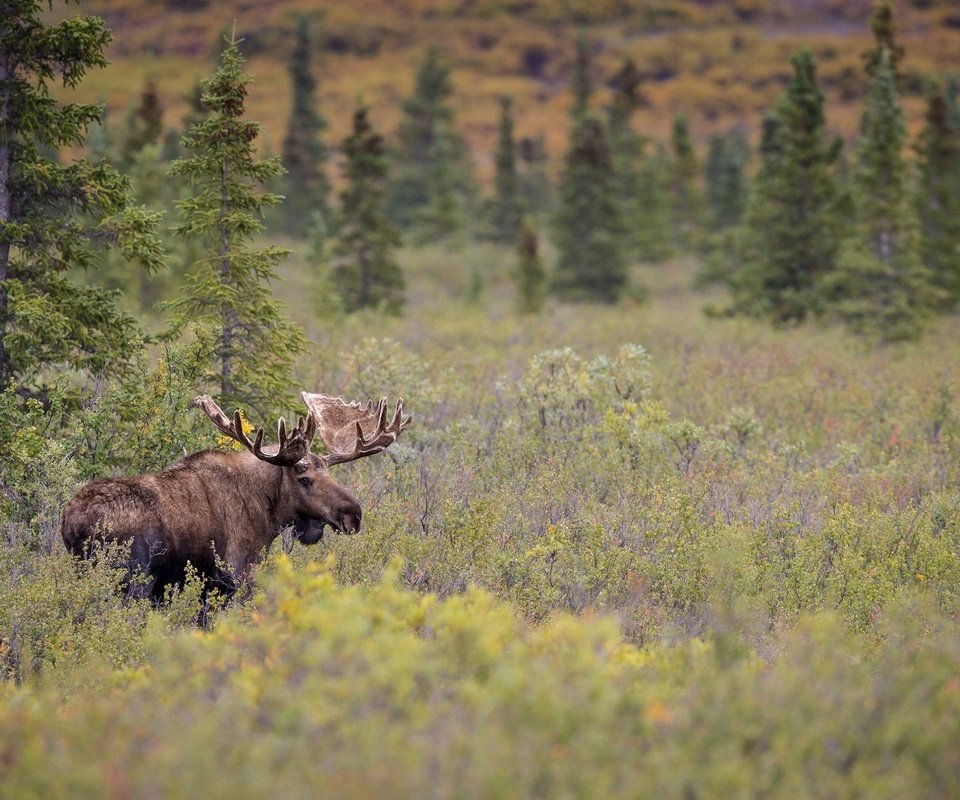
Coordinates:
<point>304,481</point>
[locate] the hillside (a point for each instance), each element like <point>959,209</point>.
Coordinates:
<point>723,64</point>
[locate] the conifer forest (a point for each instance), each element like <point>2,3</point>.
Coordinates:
<point>671,505</point>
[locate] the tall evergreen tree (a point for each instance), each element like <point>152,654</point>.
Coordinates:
<point>626,148</point>
<point>443,215</point>
<point>884,34</point>
<point>589,231</point>
<point>430,157</point>
<point>54,218</point>
<point>229,289</point>
<point>736,257</point>
<point>507,209</point>
<point>881,287</point>
<point>725,175</point>
<point>652,228</point>
<point>366,271</point>
<point>938,195</point>
<point>144,124</point>
<point>304,155</point>
<point>795,216</point>
<point>582,83</point>
<point>726,193</point>
<point>687,199</point>
<point>534,181</point>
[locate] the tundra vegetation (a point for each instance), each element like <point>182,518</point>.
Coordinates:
<point>627,550</point>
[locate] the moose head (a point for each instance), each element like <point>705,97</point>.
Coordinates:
<point>348,430</point>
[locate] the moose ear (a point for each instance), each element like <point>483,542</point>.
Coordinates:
<point>301,466</point>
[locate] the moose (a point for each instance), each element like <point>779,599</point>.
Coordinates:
<point>220,510</point>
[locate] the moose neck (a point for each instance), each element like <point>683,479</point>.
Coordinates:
<point>268,481</point>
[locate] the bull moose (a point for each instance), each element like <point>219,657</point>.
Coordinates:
<point>217,509</point>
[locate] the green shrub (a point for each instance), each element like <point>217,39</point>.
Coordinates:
<point>386,692</point>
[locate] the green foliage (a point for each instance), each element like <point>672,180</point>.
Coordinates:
<point>430,180</point>
<point>366,272</point>
<point>229,287</point>
<point>100,144</point>
<point>588,226</point>
<point>881,287</point>
<point>795,216</point>
<point>195,113</point>
<point>725,174</point>
<point>304,155</point>
<point>884,34</point>
<point>136,423</point>
<point>144,125</point>
<point>581,82</point>
<point>324,297</point>
<point>507,209</point>
<point>685,194</point>
<point>533,178</point>
<point>392,693</point>
<point>627,151</point>
<point>55,219</point>
<point>58,616</point>
<point>937,196</point>
<point>652,228</point>
<point>443,215</point>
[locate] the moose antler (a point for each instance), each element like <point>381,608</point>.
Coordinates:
<point>291,448</point>
<point>351,430</point>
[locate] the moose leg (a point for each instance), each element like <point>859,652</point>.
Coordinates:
<point>141,580</point>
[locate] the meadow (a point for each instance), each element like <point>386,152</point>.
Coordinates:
<point>624,551</point>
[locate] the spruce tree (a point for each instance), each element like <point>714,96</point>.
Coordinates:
<point>881,287</point>
<point>430,157</point>
<point>304,155</point>
<point>738,259</point>
<point>366,272</point>
<point>581,82</point>
<point>529,274</point>
<point>686,197</point>
<point>534,181</point>
<point>144,124</point>
<point>726,193</point>
<point>938,196</point>
<point>626,148</point>
<point>442,217</point>
<point>229,288</point>
<point>884,34</point>
<point>588,227</point>
<point>795,215</point>
<point>54,219</point>
<point>652,228</point>
<point>507,210</point>
<point>725,175</point>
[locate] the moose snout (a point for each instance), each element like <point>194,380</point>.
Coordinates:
<point>349,521</point>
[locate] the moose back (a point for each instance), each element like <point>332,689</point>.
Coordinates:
<point>220,510</point>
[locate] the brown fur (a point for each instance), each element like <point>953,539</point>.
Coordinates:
<point>208,506</point>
